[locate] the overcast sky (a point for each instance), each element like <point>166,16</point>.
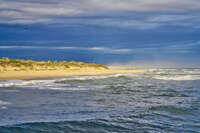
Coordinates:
<point>102,31</point>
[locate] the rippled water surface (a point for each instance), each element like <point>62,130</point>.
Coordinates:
<point>162,100</point>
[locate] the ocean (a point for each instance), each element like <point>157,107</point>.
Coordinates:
<point>159,101</point>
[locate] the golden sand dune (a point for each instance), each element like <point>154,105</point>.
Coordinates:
<point>20,69</point>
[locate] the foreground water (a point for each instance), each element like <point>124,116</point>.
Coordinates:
<point>162,100</point>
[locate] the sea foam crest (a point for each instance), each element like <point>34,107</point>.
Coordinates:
<point>4,103</point>
<point>23,82</point>
<point>51,82</point>
<point>179,78</point>
<point>98,77</point>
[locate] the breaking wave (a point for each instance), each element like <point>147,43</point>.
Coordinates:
<point>4,103</point>
<point>57,84</point>
<point>50,82</point>
<point>178,77</point>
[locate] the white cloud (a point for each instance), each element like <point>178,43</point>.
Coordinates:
<point>26,21</point>
<point>124,23</point>
<point>170,18</point>
<point>74,7</point>
<point>72,12</point>
<point>110,50</point>
<point>143,5</point>
<point>168,49</point>
<point>113,22</point>
<point>40,9</point>
<point>94,49</point>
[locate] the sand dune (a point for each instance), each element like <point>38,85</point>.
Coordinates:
<point>20,69</point>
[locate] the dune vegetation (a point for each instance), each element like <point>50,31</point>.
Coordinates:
<point>7,64</point>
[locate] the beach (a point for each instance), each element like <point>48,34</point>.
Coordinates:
<point>47,74</point>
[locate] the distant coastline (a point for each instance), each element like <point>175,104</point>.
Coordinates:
<point>28,69</point>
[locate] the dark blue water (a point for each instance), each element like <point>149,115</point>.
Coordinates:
<point>163,100</point>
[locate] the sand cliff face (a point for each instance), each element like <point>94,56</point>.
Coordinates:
<point>29,65</point>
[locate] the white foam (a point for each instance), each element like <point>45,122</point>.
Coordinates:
<point>4,107</point>
<point>98,77</point>
<point>192,71</point>
<point>9,83</point>
<point>51,84</point>
<point>24,83</point>
<point>46,83</point>
<point>174,77</point>
<point>71,88</point>
<point>4,103</point>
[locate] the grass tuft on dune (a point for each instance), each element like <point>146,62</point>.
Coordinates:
<point>7,64</point>
<point>28,69</point>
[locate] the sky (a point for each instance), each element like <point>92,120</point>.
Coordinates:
<point>146,33</point>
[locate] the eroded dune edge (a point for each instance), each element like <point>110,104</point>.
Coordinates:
<point>21,69</point>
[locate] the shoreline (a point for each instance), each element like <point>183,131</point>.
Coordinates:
<point>49,74</point>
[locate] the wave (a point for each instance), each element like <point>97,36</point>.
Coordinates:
<point>98,126</point>
<point>56,82</point>
<point>177,77</point>
<point>171,109</point>
<point>100,77</point>
<point>45,84</point>
<point>10,83</point>
<point>192,71</point>
<point>174,71</point>
<point>119,124</point>
<point>4,103</point>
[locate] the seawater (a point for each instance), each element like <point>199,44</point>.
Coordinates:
<point>159,101</point>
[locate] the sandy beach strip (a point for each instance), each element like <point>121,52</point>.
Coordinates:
<point>26,75</point>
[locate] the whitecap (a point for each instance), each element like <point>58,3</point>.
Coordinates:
<point>4,103</point>
<point>10,83</point>
<point>54,84</point>
<point>40,84</point>
<point>179,78</point>
<point>97,77</point>
<point>192,71</point>
<point>50,81</point>
<point>24,82</point>
<point>4,107</point>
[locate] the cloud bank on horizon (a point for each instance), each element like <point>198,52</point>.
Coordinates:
<point>135,14</point>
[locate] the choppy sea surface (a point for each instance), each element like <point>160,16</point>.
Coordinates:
<point>159,101</point>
